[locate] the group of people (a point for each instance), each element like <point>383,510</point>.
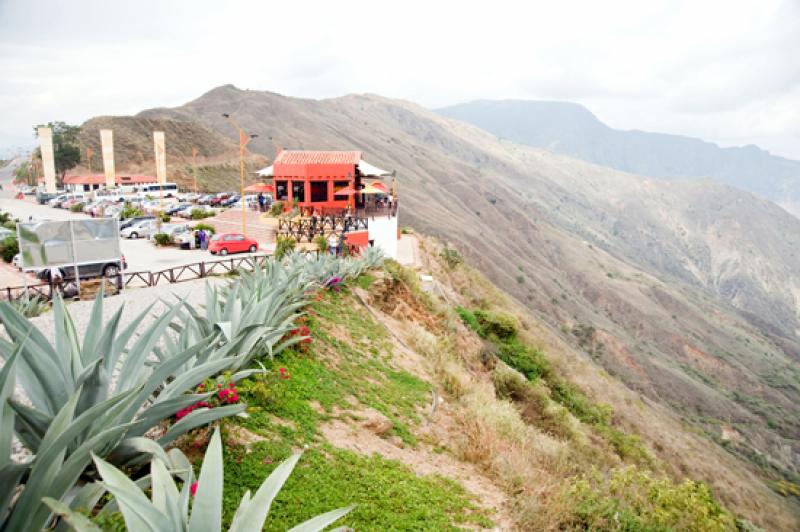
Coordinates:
<point>201,238</point>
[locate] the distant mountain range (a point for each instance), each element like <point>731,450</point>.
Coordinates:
<point>571,129</point>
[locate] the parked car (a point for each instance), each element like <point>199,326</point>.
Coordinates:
<point>175,207</point>
<point>70,202</point>
<point>219,198</point>
<point>205,199</point>
<point>170,230</point>
<point>124,224</point>
<point>43,198</point>
<point>143,228</point>
<point>188,197</point>
<point>227,202</point>
<point>58,201</point>
<point>231,243</point>
<point>95,269</point>
<point>187,212</point>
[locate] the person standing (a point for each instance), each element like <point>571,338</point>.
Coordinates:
<point>333,242</point>
<point>203,240</point>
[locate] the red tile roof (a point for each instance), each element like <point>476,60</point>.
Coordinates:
<point>318,157</point>
<point>100,179</point>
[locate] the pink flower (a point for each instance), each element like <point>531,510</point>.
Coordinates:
<point>193,489</point>
<point>228,395</point>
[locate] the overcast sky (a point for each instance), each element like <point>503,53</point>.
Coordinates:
<point>726,71</point>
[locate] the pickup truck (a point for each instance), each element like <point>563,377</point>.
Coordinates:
<point>96,269</point>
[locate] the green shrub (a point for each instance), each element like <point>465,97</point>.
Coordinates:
<point>77,207</point>
<point>322,243</point>
<point>162,239</point>
<point>9,247</point>
<point>206,227</point>
<point>129,211</point>
<point>199,214</point>
<point>469,319</point>
<point>452,257</point>
<point>165,218</point>
<point>525,359</point>
<point>629,447</point>
<point>284,246</point>
<point>631,499</point>
<point>499,324</point>
<point>578,404</point>
<point>276,208</point>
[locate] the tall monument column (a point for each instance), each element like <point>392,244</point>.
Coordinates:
<point>48,159</point>
<point>107,143</point>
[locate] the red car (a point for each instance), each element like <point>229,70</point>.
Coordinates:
<point>231,243</point>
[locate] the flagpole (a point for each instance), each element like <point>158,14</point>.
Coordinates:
<point>194,167</point>
<point>244,138</point>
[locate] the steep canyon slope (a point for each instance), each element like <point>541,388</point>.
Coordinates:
<point>686,291</point>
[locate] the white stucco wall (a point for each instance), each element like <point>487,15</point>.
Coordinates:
<point>383,231</point>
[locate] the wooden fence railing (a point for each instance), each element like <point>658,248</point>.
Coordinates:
<point>309,227</point>
<point>177,274</point>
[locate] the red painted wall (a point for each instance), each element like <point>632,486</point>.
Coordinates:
<point>315,172</point>
<point>357,238</point>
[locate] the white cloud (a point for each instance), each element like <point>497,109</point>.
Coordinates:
<point>722,70</point>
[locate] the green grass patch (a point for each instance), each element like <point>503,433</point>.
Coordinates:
<point>388,495</point>
<point>349,360</point>
<point>365,280</point>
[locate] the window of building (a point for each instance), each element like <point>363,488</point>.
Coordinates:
<point>299,191</point>
<point>319,191</point>
<point>338,185</point>
<point>281,190</point>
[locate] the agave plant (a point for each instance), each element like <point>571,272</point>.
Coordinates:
<point>30,307</point>
<point>169,510</point>
<point>51,472</point>
<point>248,319</point>
<point>104,368</point>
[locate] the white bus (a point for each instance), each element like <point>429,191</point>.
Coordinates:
<point>170,189</point>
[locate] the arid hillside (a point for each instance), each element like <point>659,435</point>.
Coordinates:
<point>217,156</point>
<point>687,291</point>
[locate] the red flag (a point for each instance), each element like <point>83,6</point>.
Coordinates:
<point>243,139</point>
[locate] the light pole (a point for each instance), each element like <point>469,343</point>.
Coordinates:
<point>244,138</point>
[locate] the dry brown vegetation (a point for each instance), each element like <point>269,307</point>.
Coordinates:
<point>529,444</point>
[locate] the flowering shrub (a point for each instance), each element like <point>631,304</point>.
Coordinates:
<point>283,374</point>
<point>334,283</point>
<point>226,395</point>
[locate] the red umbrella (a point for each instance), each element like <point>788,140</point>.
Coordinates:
<point>379,186</point>
<point>346,191</point>
<point>260,187</point>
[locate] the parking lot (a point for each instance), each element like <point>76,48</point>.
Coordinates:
<point>140,254</point>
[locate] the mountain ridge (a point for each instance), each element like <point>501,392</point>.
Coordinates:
<point>572,129</point>
<point>632,271</point>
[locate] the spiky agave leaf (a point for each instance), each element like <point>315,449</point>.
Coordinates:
<point>167,510</point>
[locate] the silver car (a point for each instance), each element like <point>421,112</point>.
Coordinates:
<point>144,228</point>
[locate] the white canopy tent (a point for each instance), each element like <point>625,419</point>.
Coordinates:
<point>266,172</point>
<point>367,170</point>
